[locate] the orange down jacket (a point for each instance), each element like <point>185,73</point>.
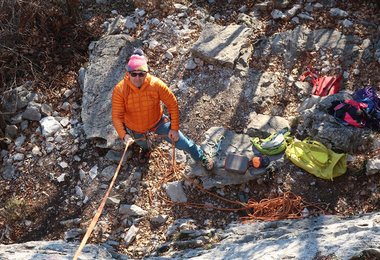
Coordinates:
<point>139,109</point>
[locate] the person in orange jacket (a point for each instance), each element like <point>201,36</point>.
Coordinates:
<point>137,111</point>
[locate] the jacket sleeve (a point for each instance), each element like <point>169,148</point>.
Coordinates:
<point>118,110</point>
<point>170,101</point>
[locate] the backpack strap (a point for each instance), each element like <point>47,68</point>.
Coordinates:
<point>310,72</point>
<point>313,148</point>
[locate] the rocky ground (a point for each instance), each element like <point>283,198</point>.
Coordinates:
<point>41,198</point>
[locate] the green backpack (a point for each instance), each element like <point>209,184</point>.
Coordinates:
<point>315,158</point>
<point>273,144</point>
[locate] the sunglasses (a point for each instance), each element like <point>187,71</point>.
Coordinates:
<point>135,74</point>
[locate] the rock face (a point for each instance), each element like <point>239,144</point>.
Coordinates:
<point>310,238</point>
<point>58,250</point>
<point>108,59</point>
<point>221,44</point>
<point>313,238</point>
<point>219,143</point>
<point>302,39</point>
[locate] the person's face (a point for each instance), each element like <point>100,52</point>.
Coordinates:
<point>137,77</point>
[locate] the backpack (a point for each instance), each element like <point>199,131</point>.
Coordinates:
<point>349,112</point>
<point>322,86</point>
<point>273,144</point>
<point>368,96</point>
<point>315,158</point>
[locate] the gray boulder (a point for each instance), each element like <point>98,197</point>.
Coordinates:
<point>106,68</point>
<point>319,124</point>
<point>221,44</point>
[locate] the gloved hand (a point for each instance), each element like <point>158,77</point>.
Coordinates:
<point>128,139</point>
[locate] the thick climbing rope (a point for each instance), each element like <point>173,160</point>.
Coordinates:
<point>287,206</point>
<point>100,208</point>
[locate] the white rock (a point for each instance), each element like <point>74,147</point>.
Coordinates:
<point>373,166</point>
<point>132,190</point>
<point>169,55</point>
<point>94,172</point>
<point>305,16</point>
<point>130,23</point>
<point>36,151</point>
<point>277,14</point>
<point>131,235</point>
<point>155,21</point>
<point>61,177</point>
<point>18,157</point>
<point>141,12</point>
<point>293,11</point>
<point>49,147</point>
<point>82,174</point>
<point>131,210</point>
<point>153,44</point>
<point>243,9</point>
<point>64,122</point>
<point>20,140</point>
<point>347,23</point>
<point>68,93</point>
<point>338,12</point>
<point>79,192</point>
<point>175,191</point>
<point>65,106</point>
<point>63,165</point>
<point>190,64</point>
<point>114,12</point>
<point>49,126</point>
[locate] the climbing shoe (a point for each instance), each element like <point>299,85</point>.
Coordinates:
<point>207,162</point>
<point>144,156</point>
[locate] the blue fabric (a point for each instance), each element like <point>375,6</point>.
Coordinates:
<point>183,143</point>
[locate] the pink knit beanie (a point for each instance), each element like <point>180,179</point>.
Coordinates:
<point>137,62</point>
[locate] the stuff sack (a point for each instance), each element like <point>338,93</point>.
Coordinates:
<point>236,163</point>
<point>349,112</point>
<point>315,158</point>
<point>322,86</point>
<point>273,144</point>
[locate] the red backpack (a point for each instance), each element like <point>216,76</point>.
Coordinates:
<point>322,86</point>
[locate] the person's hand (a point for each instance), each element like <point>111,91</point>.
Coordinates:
<point>174,135</point>
<point>128,139</point>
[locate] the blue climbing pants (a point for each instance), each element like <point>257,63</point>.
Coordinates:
<point>162,129</point>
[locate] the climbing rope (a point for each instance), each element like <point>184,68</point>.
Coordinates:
<point>288,206</point>
<point>100,208</point>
